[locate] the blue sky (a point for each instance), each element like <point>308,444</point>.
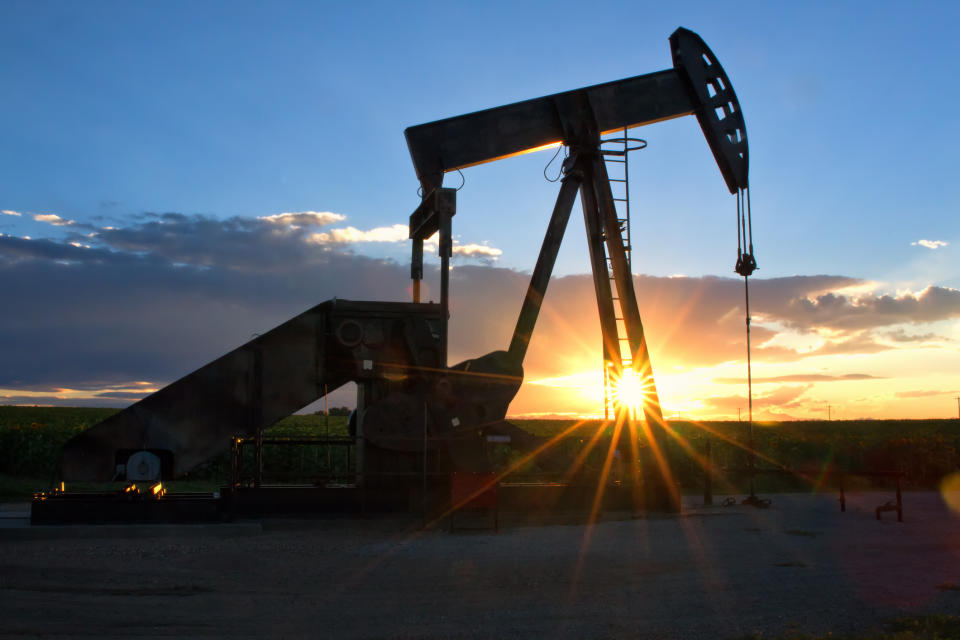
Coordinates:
<point>112,112</point>
<point>246,109</point>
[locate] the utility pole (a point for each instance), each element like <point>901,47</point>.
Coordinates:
<point>958,407</point>
<point>828,413</point>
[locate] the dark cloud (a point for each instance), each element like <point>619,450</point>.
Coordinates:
<point>853,313</point>
<point>899,335</point>
<point>144,319</point>
<point>14,250</point>
<point>87,385</point>
<point>156,299</point>
<point>243,244</point>
<point>809,303</point>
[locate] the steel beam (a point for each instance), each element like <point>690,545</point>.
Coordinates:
<point>545,262</point>
<point>521,127</point>
<point>697,85</point>
<point>623,279</point>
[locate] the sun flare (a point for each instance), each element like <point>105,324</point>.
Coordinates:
<point>629,391</point>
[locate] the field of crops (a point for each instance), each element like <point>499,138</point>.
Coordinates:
<point>924,450</point>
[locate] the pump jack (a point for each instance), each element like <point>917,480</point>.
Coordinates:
<point>410,402</point>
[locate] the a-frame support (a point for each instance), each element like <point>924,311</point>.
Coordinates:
<point>584,171</point>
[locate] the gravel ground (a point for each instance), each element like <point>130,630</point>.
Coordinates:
<point>799,567</point>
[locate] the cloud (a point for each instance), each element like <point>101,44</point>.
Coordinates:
<point>472,250</point>
<point>400,233</point>
<point>351,235</point>
<point>157,298</point>
<point>899,335</point>
<point>240,244</point>
<point>52,218</point>
<point>304,218</point>
<point>772,404</point>
<point>921,394</point>
<point>141,386</point>
<point>857,343</point>
<point>57,401</point>
<point>122,395</point>
<point>8,212</point>
<point>864,311</point>
<point>930,244</point>
<point>13,250</point>
<point>813,377</point>
<point>93,393</point>
<point>145,318</point>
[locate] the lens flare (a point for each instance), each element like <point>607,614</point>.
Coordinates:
<point>950,490</point>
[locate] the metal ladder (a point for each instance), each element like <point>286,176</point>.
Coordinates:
<point>616,152</point>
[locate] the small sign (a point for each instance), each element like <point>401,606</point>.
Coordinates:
<point>499,439</point>
<point>368,365</point>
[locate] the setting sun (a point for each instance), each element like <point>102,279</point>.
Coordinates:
<point>629,391</point>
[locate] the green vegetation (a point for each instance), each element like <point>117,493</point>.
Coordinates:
<point>924,450</point>
<point>31,439</point>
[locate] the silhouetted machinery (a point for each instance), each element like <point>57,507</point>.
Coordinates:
<point>396,353</point>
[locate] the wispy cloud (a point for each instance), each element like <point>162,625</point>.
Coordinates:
<point>930,244</point>
<point>813,377</point>
<point>922,394</point>
<point>8,212</point>
<point>776,404</point>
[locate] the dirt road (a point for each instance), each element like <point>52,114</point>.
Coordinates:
<point>800,566</point>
